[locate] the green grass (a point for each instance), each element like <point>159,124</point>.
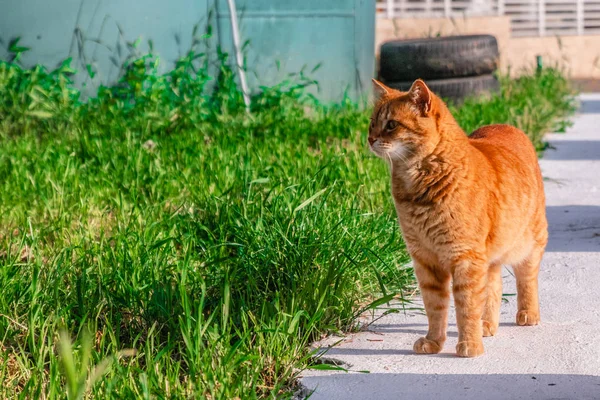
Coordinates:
<point>159,242</point>
<point>537,102</point>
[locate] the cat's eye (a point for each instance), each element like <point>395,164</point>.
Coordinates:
<point>391,125</point>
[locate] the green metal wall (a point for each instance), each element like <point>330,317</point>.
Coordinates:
<point>284,36</point>
<point>97,31</point>
<point>338,34</point>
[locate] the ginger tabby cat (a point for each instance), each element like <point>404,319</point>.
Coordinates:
<point>466,206</point>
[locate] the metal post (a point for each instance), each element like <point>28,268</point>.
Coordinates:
<point>580,19</point>
<point>542,17</point>
<point>238,52</point>
<point>427,7</point>
<point>390,8</point>
<point>501,8</point>
<point>447,8</point>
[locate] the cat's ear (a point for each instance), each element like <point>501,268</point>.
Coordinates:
<point>380,89</point>
<point>421,96</point>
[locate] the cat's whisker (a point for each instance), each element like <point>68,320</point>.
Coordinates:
<point>398,153</point>
<point>391,163</point>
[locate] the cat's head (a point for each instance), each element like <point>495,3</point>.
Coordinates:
<point>404,124</point>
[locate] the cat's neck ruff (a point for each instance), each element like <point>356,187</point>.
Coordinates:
<point>419,177</point>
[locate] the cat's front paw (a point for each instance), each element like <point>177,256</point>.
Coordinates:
<point>488,328</point>
<point>528,317</point>
<point>469,349</point>
<point>426,346</point>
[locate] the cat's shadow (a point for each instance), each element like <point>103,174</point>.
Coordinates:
<point>344,351</point>
<point>411,329</point>
<point>408,328</point>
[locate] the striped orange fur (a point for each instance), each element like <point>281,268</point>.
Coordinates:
<point>466,206</point>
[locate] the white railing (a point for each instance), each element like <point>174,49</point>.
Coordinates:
<point>528,17</point>
<point>438,8</point>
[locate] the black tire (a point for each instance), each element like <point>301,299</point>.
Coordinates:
<point>438,58</point>
<point>456,89</point>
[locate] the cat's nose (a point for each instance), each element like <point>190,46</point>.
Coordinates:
<point>372,140</point>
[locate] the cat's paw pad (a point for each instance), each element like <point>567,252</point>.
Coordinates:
<point>469,349</point>
<point>528,317</point>
<point>426,346</point>
<point>489,329</point>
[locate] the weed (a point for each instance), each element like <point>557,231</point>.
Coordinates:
<point>537,102</point>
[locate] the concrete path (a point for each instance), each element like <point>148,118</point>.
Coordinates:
<point>559,359</point>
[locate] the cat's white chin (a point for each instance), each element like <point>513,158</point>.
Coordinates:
<point>391,152</point>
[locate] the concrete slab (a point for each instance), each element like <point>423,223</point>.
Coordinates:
<point>559,359</point>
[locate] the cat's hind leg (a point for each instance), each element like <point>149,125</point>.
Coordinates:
<point>491,312</point>
<point>435,289</point>
<point>526,273</point>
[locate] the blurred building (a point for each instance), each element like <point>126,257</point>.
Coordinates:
<point>564,32</point>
